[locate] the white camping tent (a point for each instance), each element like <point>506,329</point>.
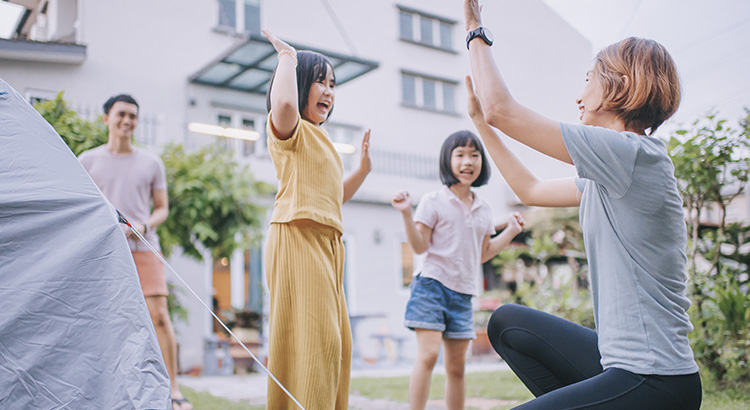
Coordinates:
<point>75,332</point>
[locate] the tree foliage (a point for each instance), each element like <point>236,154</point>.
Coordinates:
<point>712,168</point>
<point>212,202</point>
<point>80,135</point>
<point>555,239</point>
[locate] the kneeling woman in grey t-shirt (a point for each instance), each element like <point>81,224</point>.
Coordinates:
<point>633,229</point>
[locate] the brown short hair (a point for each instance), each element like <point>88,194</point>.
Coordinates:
<point>651,93</point>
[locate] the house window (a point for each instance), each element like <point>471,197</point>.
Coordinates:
<point>224,120</point>
<point>346,139</point>
<point>409,88</point>
<point>248,147</point>
<point>240,15</point>
<point>36,96</point>
<point>446,32</point>
<point>227,144</point>
<point>239,121</point>
<point>425,29</point>
<point>434,94</point>
<point>428,88</point>
<point>37,100</point>
<point>406,23</point>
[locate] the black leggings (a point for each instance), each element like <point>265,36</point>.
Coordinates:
<point>558,361</point>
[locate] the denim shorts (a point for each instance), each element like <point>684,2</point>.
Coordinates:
<point>432,306</point>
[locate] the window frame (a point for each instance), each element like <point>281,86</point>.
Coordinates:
<point>438,40</point>
<point>439,93</point>
<point>236,118</point>
<point>240,17</point>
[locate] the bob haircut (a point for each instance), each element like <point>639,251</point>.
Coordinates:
<point>118,98</point>
<point>640,82</point>
<point>462,139</point>
<point>311,67</point>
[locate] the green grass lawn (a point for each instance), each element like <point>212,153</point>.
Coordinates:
<point>501,385</point>
<point>505,386</point>
<point>205,401</point>
<point>735,397</point>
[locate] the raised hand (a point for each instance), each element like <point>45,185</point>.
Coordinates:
<point>402,201</point>
<point>516,222</point>
<point>276,42</point>
<point>284,94</point>
<point>365,163</point>
<point>475,108</point>
<point>472,14</point>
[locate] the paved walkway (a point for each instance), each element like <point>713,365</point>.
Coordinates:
<point>252,387</point>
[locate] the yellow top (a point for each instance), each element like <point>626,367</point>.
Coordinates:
<point>310,174</point>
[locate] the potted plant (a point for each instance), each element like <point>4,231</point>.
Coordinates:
<point>245,324</point>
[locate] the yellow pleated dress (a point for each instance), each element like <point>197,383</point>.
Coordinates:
<point>310,342</point>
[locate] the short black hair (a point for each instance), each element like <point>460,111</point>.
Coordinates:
<point>121,97</point>
<point>462,138</point>
<point>311,67</point>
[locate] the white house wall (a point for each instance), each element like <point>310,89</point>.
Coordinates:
<point>149,49</point>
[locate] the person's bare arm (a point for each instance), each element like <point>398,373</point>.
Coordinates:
<point>492,246</point>
<point>284,97</point>
<point>159,214</point>
<point>355,180</point>
<point>530,190</point>
<point>501,110</point>
<point>417,233</point>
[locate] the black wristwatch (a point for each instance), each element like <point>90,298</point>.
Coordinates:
<point>482,32</point>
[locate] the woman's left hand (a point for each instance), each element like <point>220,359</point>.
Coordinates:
<point>365,163</point>
<point>474,107</point>
<point>472,14</point>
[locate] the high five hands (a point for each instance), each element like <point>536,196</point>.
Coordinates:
<point>474,107</point>
<point>365,163</point>
<point>472,14</point>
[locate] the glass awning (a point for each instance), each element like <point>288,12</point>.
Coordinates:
<point>248,66</point>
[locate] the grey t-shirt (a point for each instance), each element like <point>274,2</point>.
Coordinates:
<point>635,237</point>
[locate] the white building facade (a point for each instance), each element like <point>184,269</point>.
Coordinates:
<point>175,58</point>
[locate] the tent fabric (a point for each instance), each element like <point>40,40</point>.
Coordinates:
<point>75,332</point>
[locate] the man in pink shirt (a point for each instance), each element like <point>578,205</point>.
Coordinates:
<point>133,179</point>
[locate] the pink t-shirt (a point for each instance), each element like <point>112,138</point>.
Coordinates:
<point>127,181</point>
<point>454,254</point>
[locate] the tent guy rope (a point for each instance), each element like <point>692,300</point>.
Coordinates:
<point>161,258</point>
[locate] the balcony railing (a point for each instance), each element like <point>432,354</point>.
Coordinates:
<point>404,164</point>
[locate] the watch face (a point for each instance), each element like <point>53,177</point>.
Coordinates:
<point>488,34</point>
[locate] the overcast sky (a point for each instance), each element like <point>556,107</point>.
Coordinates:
<point>709,40</point>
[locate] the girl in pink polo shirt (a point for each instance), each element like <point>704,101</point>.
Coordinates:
<point>453,227</point>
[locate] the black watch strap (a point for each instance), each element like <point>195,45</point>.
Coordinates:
<point>480,32</point>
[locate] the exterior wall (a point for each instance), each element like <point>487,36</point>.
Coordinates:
<point>150,49</point>
<point>545,72</point>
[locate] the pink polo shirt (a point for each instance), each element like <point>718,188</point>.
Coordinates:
<point>128,181</point>
<point>454,254</point>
